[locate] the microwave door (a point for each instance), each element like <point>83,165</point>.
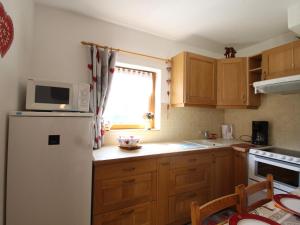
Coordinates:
<point>52,95</point>
<point>45,97</point>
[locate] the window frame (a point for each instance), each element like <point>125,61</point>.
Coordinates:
<point>151,103</point>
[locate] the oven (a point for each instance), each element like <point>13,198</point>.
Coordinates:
<point>286,175</point>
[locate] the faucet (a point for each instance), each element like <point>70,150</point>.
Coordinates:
<point>206,134</point>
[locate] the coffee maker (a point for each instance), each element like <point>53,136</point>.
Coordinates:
<point>260,132</point>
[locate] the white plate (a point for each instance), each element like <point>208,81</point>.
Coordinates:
<point>291,203</point>
<point>251,222</point>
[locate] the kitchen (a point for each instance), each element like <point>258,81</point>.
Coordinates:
<point>58,55</point>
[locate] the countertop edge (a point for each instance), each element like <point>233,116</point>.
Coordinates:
<point>158,155</point>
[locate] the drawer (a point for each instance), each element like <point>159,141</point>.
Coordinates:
<point>123,192</point>
<point>191,160</point>
<point>138,215</point>
<point>189,178</point>
<point>180,205</point>
<point>124,169</point>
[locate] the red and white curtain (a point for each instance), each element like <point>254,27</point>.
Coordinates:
<point>102,63</point>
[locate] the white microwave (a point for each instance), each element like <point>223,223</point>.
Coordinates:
<point>57,96</point>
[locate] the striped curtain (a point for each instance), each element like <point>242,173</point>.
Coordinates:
<point>101,67</point>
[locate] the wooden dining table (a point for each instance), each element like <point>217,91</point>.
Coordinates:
<point>271,211</point>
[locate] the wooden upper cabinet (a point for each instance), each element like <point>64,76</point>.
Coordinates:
<point>296,57</point>
<point>281,61</point>
<point>232,82</point>
<point>278,62</point>
<point>193,80</point>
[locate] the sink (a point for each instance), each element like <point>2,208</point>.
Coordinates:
<point>206,143</point>
<point>189,145</point>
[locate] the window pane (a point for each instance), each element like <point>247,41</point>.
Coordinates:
<point>129,97</point>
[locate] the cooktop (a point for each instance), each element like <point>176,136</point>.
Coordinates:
<point>282,151</point>
<point>277,153</point>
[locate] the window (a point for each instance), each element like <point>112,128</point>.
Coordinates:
<point>132,95</point>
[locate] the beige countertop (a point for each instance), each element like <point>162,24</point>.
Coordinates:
<point>108,153</point>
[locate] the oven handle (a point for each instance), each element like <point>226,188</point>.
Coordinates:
<point>278,164</point>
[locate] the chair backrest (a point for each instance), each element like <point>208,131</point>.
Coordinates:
<point>199,213</point>
<point>255,188</point>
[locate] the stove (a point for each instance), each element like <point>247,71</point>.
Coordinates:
<point>281,154</point>
<point>283,164</point>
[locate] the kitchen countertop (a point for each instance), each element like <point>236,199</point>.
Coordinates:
<point>108,153</point>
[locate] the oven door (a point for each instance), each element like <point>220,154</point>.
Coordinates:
<point>286,175</point>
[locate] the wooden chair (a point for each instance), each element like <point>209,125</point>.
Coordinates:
<point>255,188</point>
<point>200,213</point>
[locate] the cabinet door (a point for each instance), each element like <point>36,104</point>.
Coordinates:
<point>137,215</point>
<point>296,57</point>
<point>122,192</point>
<point>224,178</point>
<point>180,205</point>
<point>186,179</point>
<point>240,168</point>
<point>201,80</point>
<point>232,82</point>
<point>278,62</point>
<point>163,190</point>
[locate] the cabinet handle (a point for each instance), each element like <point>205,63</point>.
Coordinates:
<point>129,181</point>
<point>264,75</point>
<point>128,212</point>
<point>193,169</point>
<point>244,98</point>
<point>213,158</point>
<point>165,164</point>
<point>129,169</point>
<point>192,195</point>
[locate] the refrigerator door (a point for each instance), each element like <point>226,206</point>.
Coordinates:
<point>49,171</point>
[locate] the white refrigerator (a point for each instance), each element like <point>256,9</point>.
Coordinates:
<point>49,169</point>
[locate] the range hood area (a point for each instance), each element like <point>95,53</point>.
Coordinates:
<point>283,85</point>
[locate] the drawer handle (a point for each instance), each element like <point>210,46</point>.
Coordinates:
<point>192,195</point>
<point>165,164</point>
<point>192,160</point>
<point>128,212</point>
<point>129,181</point>
<point>129,169</point>
<point>193,169</point>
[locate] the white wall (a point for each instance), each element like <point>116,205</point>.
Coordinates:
<point>14,67</point>
<point>267,44</point>
<point>59,55</point>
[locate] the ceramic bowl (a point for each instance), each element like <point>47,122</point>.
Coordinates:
<point>130,141</point>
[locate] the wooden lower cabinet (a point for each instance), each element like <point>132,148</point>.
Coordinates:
<point>181,180</point>
<point>180,205</point>
<point>190,178</point>
<point>223,173</point>
<point>240,168</point>
<point>159,191</point>
<point>121,192</point>
<point>143,214</point>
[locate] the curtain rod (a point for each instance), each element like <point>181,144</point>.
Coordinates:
<point>125,51</point>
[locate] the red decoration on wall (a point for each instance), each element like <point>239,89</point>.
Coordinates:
<point>6,31</point>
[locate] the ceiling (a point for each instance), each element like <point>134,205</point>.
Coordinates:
<point>224,22</point>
